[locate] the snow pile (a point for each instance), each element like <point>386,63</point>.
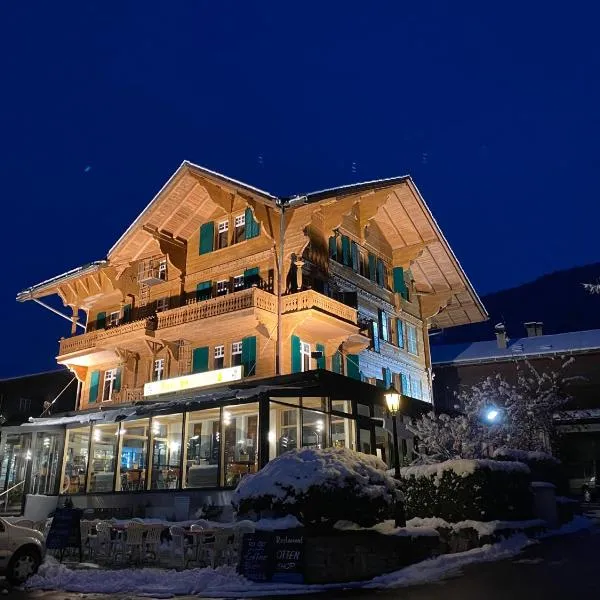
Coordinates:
<point>388,527</point>
<point>523,455</point>
<point>462,468</point>
<point>482,528</point>
<point>319,486</point>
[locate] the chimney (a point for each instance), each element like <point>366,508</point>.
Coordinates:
<point>530,326</point>
<point>500,330</point>
<point>538,328</point>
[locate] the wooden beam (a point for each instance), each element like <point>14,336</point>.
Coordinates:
<point>403,257</point>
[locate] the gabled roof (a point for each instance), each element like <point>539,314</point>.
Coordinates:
<point>535,346</point>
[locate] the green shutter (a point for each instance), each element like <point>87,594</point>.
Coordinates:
<point>249,355</point>
<point>203,290</point>
<point>399,283</point>
<point>387,378</point>
<point>127,313</point>
<point>296,358</point>
<point>321,361</point>
<point>101,320</point>
<point>400,332</point>
<point>355,256</point>
<point>333,247</point>
<point>346,250</point>
<point>336,362</point>
<point>375,335</point>
<point>252,226</point>
<point>207,237</point>
<point>405,384</point>
<point>352,369</point>
<point>380,273</point>
<point>94,383</point>
<point>251,276</point>
<point>200,360</point>
<point>383,325</point>
<point>372,266</point>
<point>117,383</point>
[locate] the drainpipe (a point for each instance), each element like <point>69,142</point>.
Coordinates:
<point>279,352</point>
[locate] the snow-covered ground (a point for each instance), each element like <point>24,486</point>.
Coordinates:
<point>225,582</point>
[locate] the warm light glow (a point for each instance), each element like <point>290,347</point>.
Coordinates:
<point>194,380</point>
<point>97,435</point>
<point>319,426</point>
<point>174,446</point>
<point>28,455</point>
<point>392,399</point>
<point>226,417</point>
<point>271,436</point>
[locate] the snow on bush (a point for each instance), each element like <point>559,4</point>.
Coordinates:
<point>320,487</point>
<point>523,455</point>
<point>543,466</point>
<point>459,490</point>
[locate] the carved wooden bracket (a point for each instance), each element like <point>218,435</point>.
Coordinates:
<point>403,257</point>
<point>433,304</point>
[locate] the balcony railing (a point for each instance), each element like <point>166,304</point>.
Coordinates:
<point>213,307</point>
<point>311,299</point>
<point>129,395</point>
<point>97,338</point>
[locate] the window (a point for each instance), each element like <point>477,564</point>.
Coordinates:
<point>240,442</point>
<point>400,333</point>
<point>314,429</point>
<point>132,469</point>
<point>238,283</point>
<point>240,228</point>
<point>305,356</point>
<point>236,354</point>
<point>364,264</point>
<point>162,269</point>
<point>76,461</point>
<point>222,287</point>
<point>24,405</point>
<point>222,234</point>
<point>202,449</point>
<point>110,377</point>
<point>159,369</point>
<point>162,304</point>
<point>102,458</point>
<point>46,463</point>
<point>416,388</point>
<point>411,334</point>
<point>219,361</point>
<point>165,454</point>
<point>113,319</point>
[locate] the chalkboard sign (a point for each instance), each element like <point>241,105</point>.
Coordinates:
<point>288,556</point>
<point>257,556</point>
<point>273,556</point>
<point>65,530</point>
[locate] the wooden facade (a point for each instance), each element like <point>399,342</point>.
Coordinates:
<point>215,273</point>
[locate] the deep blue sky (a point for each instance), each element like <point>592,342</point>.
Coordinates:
<point>492,107</point>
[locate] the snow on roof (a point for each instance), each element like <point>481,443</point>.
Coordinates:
<point>87,268</point>
<point>572,341</point>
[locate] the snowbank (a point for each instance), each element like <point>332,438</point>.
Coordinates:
<point>388,527</point>
<point>463,467</point>
<point>483,528</point>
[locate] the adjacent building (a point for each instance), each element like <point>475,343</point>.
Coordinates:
<point>228,325</point>
<point>459,366</point>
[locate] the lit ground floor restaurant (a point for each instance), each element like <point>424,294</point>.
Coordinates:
<point>173,455</point>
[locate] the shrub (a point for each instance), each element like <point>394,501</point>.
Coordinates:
<point>543,467</point>
<point>457,490</point>
<point>319,487</point>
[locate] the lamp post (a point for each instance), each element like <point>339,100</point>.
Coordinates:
<point>392,399</point>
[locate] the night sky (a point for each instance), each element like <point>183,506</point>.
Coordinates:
<point>491,107</point>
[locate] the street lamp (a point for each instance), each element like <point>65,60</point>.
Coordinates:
<point>392,399</point>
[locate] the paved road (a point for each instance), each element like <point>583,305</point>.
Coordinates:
<point>562,567</point>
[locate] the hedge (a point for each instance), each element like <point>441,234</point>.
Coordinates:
<point>457,490</point>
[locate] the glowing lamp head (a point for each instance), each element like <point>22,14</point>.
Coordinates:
<point>392,399</point>
<point>492,415</point>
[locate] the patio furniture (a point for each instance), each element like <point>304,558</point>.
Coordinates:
<point>180,551</point>
<point>132,544</point>
<point>152,540</point>
<point>101,545</point>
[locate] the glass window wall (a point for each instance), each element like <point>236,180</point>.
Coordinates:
<point>103,458</point>
<point>343,432</point>
<point>46,463</point>
<point>343,406</point>
<point>76,461</point>
<point>165,470</point>
<point>284,422</point>
<point>202,449</point>
<point>134,455</point>
<point>314,429</point>
<point>240,447</point>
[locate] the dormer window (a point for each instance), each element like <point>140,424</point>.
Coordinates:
<point>223,234</point>
<point>240,228</point>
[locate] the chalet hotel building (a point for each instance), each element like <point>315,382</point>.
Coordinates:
<point>228,325</point>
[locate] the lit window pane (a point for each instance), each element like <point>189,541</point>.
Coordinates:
<point>203,449</point>
<point>240,433</point>
<point>76,461</point>
<point>102,458</point>
<point>165,469</point>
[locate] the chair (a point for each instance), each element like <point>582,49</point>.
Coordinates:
<point>179,548</point>
<point>223,550</point>
<point>238,537</point>
<point>101,545</point>
<point>133,544</point>
<point>206,547</point>
<point>152,540</point>
<point>86,528</point>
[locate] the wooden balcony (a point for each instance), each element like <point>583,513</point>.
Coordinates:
<point>128,394</point>
<point>106,338</point>
<point>238,304</point>
<point>309,299</point>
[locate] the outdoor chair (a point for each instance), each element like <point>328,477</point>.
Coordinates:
<point>133,543</point>
<point>86,529</point>
<point>180,549</point>
<point>152,540</point>
<point>101,544</point>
